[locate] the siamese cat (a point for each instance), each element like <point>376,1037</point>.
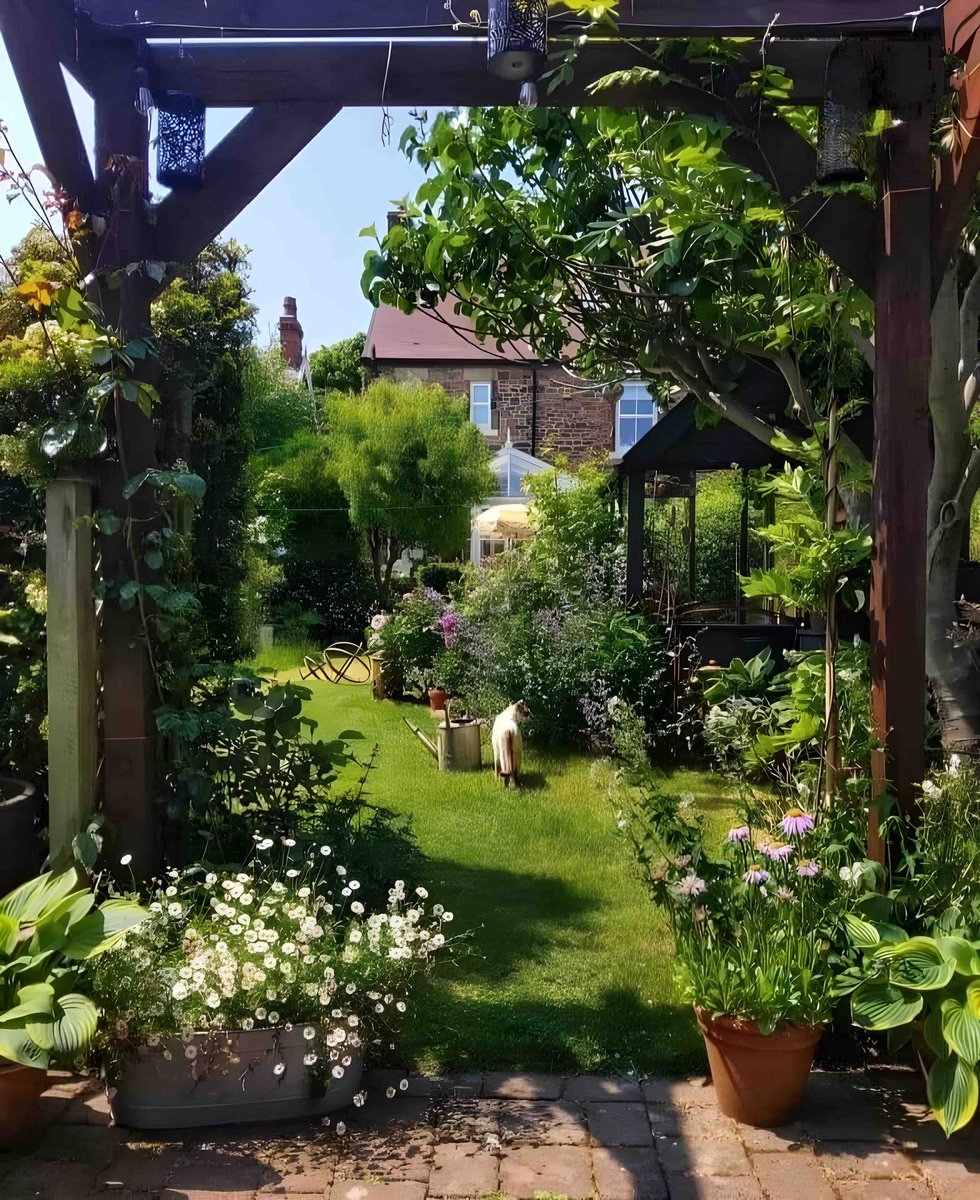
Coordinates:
<point>508,744</point>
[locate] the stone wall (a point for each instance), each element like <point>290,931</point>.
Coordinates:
<point>573,418</point>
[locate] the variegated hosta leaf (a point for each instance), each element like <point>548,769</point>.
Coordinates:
<point>100,930</point>
<point>862,933</point>
<point>973,997</point>
<point>880,1005</point>
<point>33,1000</point>
<point>16,1045</point>
<point>70,1029</point>
<point>962,953</point>
<point>918,964</point>
<point>961,1030</point>
<point>953,1092</point>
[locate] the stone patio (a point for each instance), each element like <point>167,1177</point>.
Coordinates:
<point>859,1137</point>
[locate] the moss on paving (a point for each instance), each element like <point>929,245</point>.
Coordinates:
<point>568,967</point>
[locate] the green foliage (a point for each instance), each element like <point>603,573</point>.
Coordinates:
<point>411,465</point>
<point>410,641</point>
<point>50,928</point>
<point>275,407</point>
<point>337,368</point>
<point>205,322</point>
<point>447,578</point>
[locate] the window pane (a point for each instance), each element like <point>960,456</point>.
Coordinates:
<point>480,406</point>
<point>516,476</point>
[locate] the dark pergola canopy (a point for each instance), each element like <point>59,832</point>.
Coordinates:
<point>296,63</point>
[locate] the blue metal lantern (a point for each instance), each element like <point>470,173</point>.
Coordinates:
<point>517,38</point>
<point>180,141</point>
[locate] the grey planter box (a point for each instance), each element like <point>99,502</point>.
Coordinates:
<point>155,1093</point>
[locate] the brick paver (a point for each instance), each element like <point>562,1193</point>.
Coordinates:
<point>858,1137</point>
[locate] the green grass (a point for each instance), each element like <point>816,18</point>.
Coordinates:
<point>569,968</point>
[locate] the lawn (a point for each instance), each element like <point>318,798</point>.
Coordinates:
<point>569,968</point>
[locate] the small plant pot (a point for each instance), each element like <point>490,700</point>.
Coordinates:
<point>20,1103</point>
<point>760,1079</point>
<point>437,699</point>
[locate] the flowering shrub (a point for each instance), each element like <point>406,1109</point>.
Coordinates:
<point>410,640</point>
<point>270,946</point>
<point>759,930</point>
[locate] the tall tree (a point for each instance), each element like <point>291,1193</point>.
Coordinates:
<point>337,368</point>
<point>411,465</point>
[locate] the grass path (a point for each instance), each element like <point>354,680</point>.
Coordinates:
<point>569,968</point>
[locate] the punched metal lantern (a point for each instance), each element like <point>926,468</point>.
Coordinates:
<point>841,126</point>
<point>517,38</point>
<point>180,141</point>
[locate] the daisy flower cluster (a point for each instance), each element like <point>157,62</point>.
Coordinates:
<point>281,942</point>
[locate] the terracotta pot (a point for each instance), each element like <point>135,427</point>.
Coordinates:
<point>437,699</point>
<point>20,1108</point>
<point>759,1079</point>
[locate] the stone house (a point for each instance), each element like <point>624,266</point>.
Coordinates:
<point>527,410</point>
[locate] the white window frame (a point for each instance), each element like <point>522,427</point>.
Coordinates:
<point>489,427</point>
<point>621,446</point>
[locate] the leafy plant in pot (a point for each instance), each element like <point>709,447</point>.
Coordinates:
<point>754,931</point>
<point>50,931</point>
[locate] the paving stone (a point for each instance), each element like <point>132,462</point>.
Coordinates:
<point>698,1090</point>
<point>690,1121</point>
<point>79,1143</point>
<point>782,1138</point>
<point>216,1193</point>
<point>463,1169</point>
<point>461,1087</point>
<point>406,1158</point>
<point>205,1170</point>
<point>140,1167</point>
<point>795,1176</point>
<point>32,1179</point>
<point>346,1189</point>
<point>619,1124</point>
<point>868,1160</point>
<point>522,1087</point>
<point>586,1088</point>
<point>703,1156</point>
<point>297,1170</point>
<point>563,1170</point>
<point>542,1123</point>
<point>467,1120</point>
<point>885,1189</point>
<point>628,1173</point>
<point>686,1187</point>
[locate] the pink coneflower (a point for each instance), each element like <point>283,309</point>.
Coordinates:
<point>785,894</point>
<point>796,823</point>
<point>739,833</point>
<point>778,852</point>
<point>808,869</point>
<point>690,885</point>
<point>756,874</point>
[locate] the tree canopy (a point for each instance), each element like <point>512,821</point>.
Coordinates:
<point>411,465</point>
<point>337,368</point>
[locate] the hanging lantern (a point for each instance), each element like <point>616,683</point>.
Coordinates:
<point>517,38</point>
<point>180,141</point>
<point>841,128</point>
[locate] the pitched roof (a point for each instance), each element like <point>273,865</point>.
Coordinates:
<point>438,335</point>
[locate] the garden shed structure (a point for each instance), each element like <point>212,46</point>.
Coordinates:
<point>295,63</point>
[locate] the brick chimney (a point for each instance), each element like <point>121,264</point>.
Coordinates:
<point>291,334</point>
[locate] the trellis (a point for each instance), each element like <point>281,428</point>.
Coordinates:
<point>313,57</point>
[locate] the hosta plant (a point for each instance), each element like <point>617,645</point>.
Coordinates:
<point>927,990</point>
<point>50,930</point>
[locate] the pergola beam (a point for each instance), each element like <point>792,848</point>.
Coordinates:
<point>37,70</point>
<point>430,18</point>
<point>244,162</point>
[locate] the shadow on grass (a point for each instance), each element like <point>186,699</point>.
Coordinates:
<point>486,1012</point>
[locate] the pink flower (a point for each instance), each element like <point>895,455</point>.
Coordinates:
<point>796,823</point>
<point>690,885</point>
<point>740,833</point>
<point>379,621</point>
<point>756,874</point>
<point>808,869</point>
<point>778,853</point>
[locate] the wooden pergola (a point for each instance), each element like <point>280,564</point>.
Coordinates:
<point>295,64</point>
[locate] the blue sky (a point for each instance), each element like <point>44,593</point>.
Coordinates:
<point>302,229</point>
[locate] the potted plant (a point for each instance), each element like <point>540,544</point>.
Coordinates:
<point>255,992</point>
<point>754,931</point>
<point>51,930</point>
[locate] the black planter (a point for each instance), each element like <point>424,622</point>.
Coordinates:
<point>21,847</point>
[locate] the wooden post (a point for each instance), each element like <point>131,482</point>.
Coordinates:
<point>635,512</point>
<point>692,536</point>
<point>72,663</point>
<point>129,694</point>
<point>742,554</point>
<point>902,461</point>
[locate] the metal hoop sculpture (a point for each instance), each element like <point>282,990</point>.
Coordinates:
<point>354,666</point>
